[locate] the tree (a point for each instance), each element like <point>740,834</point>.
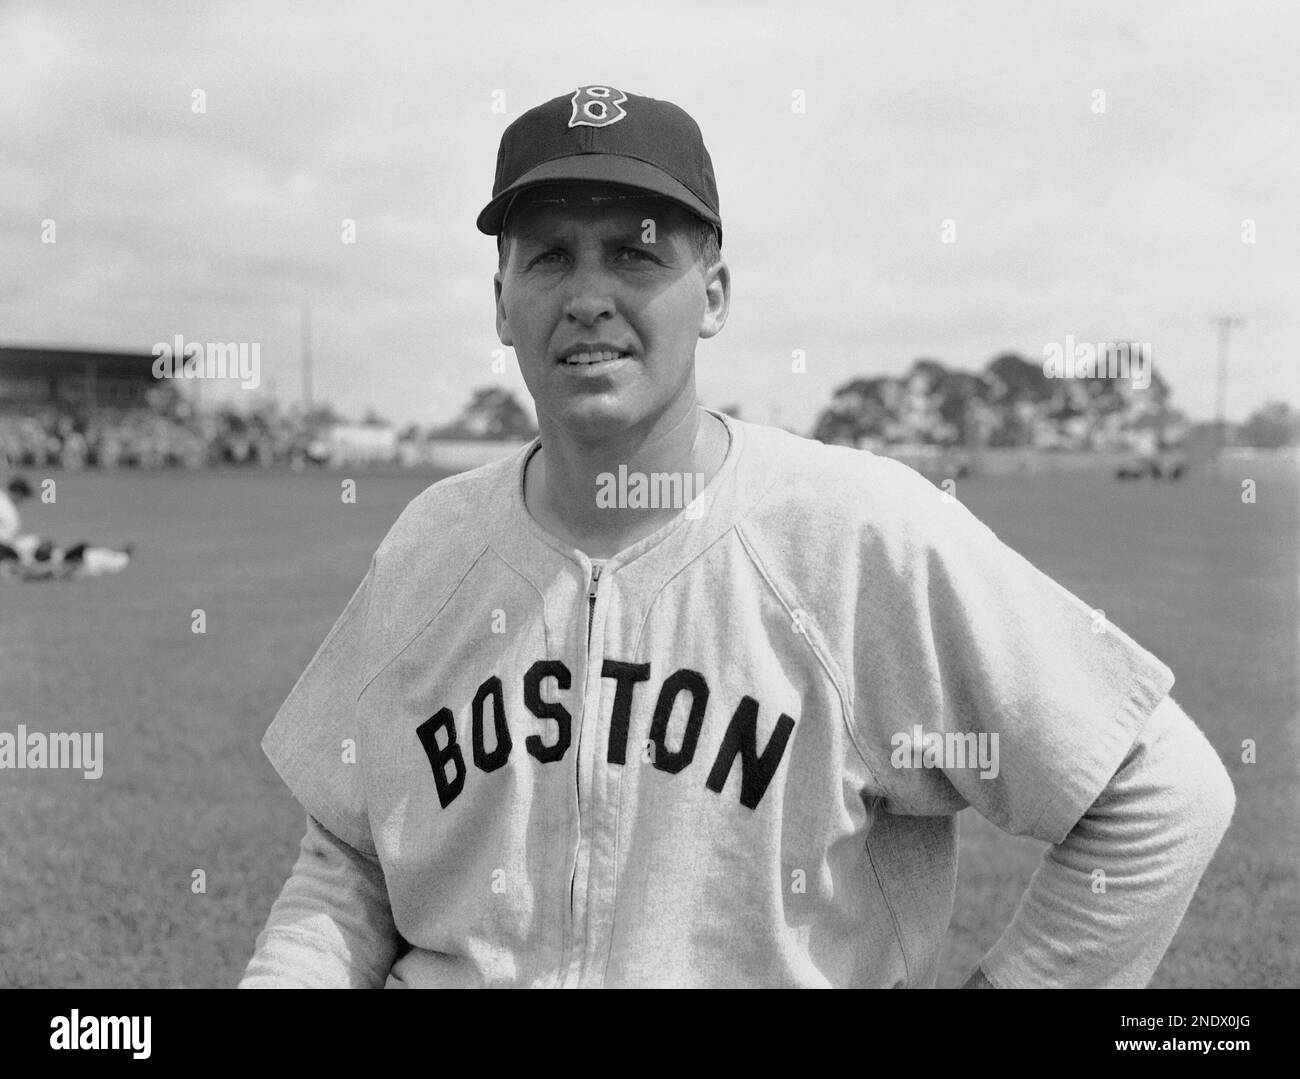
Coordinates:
<point>961,397</point>
<point>492,412</point>
<point>862,408</point>
<point>232,420</point>
<point>1014,378</point>
<point>1271,426</point>
<point>932,371</point>
<point>1016,388</point>
<point>919,412</point>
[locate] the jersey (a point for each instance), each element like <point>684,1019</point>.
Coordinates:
<point>731,757</point>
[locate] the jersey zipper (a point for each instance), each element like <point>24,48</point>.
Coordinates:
<point>591,604</point>
<point>592,588</point>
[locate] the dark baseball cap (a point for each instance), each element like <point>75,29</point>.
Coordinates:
<point>605,135</point>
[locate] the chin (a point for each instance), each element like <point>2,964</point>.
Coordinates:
<point>596,417</point>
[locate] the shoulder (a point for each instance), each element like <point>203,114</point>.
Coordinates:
<point>433,544</point>
<point>835,529</point>
<point>818,492</point>
<point>457,511</point>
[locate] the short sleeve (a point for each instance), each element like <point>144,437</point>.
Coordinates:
<point>313,740</point>
<point>993,686</point>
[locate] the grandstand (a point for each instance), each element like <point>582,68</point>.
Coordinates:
<point>35,378</point>
<point>78,407</point>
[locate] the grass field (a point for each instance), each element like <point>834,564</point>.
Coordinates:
<point>95,877</point>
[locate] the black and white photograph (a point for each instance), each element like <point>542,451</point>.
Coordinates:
<point>685,496</point>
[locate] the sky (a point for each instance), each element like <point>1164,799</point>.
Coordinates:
<point>1100,167</point>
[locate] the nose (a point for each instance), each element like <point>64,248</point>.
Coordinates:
<point>590,296</point>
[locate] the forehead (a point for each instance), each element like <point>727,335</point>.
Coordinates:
<point>583,208</point>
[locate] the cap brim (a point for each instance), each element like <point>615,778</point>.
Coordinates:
<point>601,168</point>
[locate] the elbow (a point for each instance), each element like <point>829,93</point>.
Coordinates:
<point>1201,796</point>
<point>1208,796</point>
<point>1220,795</point>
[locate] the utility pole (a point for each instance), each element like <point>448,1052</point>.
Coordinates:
<point>306,357</point>
<point>1225,324</point>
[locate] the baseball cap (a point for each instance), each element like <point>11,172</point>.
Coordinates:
<point>603,134</point>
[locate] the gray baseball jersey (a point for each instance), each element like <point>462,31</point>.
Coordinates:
<point>731,757</point>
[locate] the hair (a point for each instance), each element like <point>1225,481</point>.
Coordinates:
<point>704,240</point>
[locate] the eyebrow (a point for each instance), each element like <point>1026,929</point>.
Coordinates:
<point>551,234</point>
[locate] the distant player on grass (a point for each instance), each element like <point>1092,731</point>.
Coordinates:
<point>15,545</point>
<point>26,556</point>
<point>554,741</point>
<point>17,490</point>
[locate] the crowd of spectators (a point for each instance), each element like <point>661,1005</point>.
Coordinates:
<point>928,409</point>
<point>145,437</point>
<point>166,430</point>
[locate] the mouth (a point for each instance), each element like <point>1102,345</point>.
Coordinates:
<point>593,357</point>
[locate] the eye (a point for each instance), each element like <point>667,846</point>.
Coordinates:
<point>637,254</point>
<point>547,257</point>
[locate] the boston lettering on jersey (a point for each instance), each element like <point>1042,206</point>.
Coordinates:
<point>438,733</point>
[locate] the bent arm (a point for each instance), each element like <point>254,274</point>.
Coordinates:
<point>1104,904</point>
<point>331,927</point>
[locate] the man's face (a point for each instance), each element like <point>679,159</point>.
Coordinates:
<point>588,271</point>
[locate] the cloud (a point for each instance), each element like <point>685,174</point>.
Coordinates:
<point>225,222</point>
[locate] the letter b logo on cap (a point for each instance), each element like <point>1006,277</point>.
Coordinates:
<point>597,106</point>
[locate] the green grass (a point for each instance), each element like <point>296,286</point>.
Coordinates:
<point>95,878</point>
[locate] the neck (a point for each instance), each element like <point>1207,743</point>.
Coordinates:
<point>589,492</point>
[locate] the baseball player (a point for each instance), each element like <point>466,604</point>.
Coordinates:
<point>17,490</point>
<point>29,557</point>
<point>22,554</point>
<point>558,738</point>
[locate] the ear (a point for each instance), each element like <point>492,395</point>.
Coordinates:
<point>717,295</point>
<point>503,325</point>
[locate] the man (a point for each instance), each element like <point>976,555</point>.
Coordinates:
<point>11,523</point>
<point>671,699</point>
<point>33,558</point>
<point>17,548</point>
